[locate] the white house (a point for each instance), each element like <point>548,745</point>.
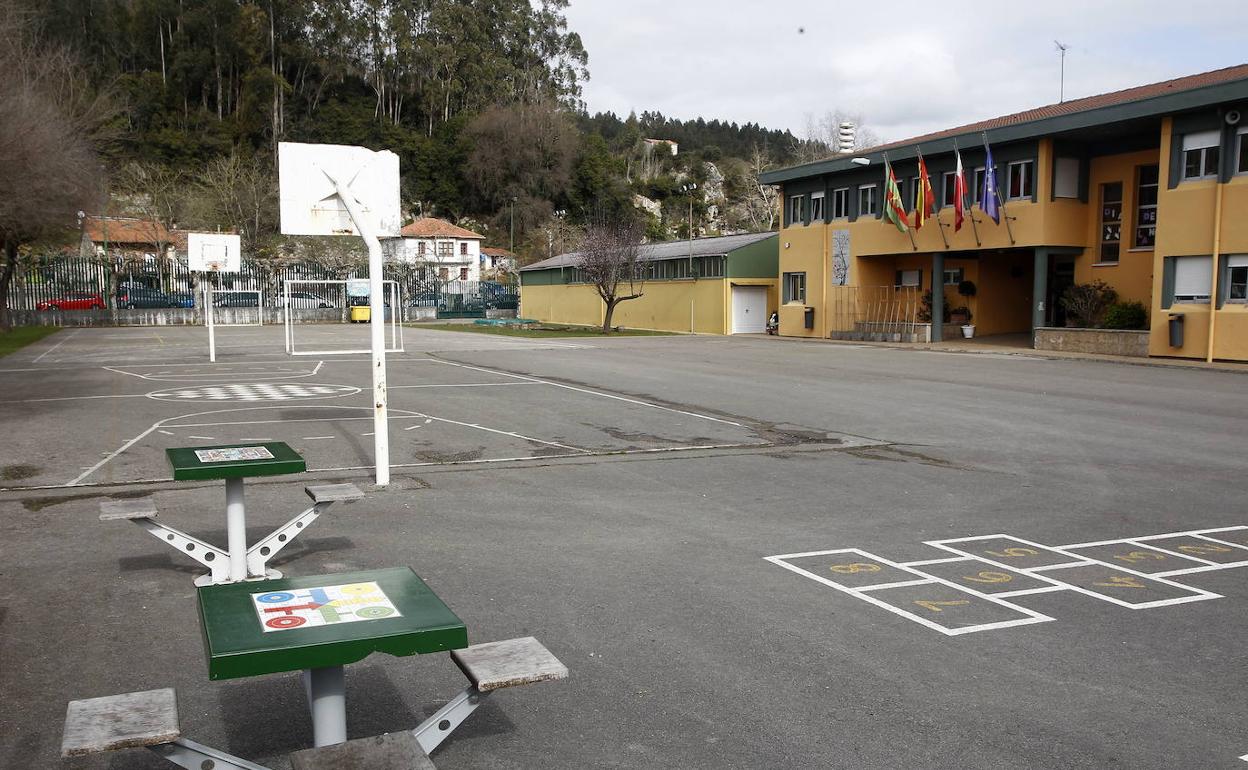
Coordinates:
<point>441,249</point>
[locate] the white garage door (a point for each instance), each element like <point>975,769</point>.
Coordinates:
<point>749,309</point>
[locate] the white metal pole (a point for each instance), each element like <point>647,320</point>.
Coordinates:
<point>377,327</point>
<point>327,703</point>
<point>236,528</point>
<point>212,335</point>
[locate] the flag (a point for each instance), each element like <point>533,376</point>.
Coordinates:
<point>894,209</point>
<point>924,198</point>
<point>989,203</point>
<point>959,194</point>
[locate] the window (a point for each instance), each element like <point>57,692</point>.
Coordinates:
<point>444,273</point>
<point>977,189</point>
<point>711,267</point>
<point>1201,154</point>
<point>463,274</point>
<point>840,203</point>
<point>908,279</point>
<point>1191,279</point>
<point>463,248</point>
<point>678,268</point>
<point>948,188</point>
<point>446,249</point>
<point>1145,207</point>
<point>1237,278</point>
<point>1066,178</point>
<point>1241,145</point>
<point>816,207</point>
<point>797,209</point>
<point>794,287</point>
<point>420,248</point>
<point>953,276</point>
<point>866,201</point>
<point>1021,175</point>
<point>914,193</point>
<point>1111,222</point>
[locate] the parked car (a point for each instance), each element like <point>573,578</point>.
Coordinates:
<point>73,300</point>
<point>182,299</point>
<point>235,299</point>
<point>428,299</point>
<point>301,300</point>
<point>132,297</point>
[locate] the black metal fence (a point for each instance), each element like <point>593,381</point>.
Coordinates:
<point>78,283</point>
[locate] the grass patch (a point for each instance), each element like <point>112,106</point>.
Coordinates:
<point>536,332</point>
<point>21,336</point>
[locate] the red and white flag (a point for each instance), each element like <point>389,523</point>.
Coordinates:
<point>959,194</point>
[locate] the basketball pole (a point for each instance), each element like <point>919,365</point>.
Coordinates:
<point>377,327</point>
<point>212,336</point>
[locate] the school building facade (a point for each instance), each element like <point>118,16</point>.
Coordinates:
<point>718,285</point>
<point>1145,189</point>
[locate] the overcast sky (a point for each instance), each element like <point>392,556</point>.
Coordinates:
<point>908,67</point>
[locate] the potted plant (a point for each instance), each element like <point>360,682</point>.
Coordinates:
<point>968,328</point>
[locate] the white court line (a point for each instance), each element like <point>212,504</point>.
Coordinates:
<point>1031,616</point>
<point>1031,591</point>
<point>108,457</point>
<point>57,345</point>
<point>1169,552</point>
<point>72,398</point>
<point>1193,594</point>
<point>464,385</point>
<point>202,438</point>
<point>898,584</point>
<point>315,438</point>
<point>946,560</point>
<point>1151,537</point>
<point>593,393</point>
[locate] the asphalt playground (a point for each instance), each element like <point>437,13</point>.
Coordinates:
<point>750,552</point>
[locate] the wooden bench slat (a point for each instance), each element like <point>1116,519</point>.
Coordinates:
<point>495,665</point>
<point>124,721</point>
<point>389,751</point>
<point>139,508</point>
<point>334,493</point>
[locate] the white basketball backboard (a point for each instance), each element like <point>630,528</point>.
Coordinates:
<point>309,202</point>
<point>214,252</point>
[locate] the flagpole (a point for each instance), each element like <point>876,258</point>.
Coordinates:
<point>924,177</point>
<point>970,210</point>
<point>909,230</point>
<point>997,189</point>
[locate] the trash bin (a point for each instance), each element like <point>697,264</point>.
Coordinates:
<point>361,314</point>
<point>1176,330</point>
<point>810,318</point>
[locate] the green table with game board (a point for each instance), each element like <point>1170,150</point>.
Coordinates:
<point>318,625</point>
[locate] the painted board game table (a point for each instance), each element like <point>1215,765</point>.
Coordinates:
<point>318,625</point>
<point>233,464</point>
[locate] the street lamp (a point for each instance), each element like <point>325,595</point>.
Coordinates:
<point>559,215</point>
<point>689,189</point>
<point>512,248</point>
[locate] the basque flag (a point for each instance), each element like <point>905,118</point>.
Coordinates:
<point>988,201</point>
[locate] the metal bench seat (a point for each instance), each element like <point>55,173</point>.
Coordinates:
<point>390,751</point>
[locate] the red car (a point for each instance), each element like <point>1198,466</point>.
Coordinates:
<point>73,300</point>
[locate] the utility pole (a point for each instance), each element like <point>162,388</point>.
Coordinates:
<point>1061,93</point>
<point>512,247</point>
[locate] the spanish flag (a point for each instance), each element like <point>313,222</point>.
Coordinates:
<point>924,198</point>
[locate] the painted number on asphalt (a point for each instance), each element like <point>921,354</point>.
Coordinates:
<point>1138,556</point>
<point>1013,552</point>
<point>851,569</point>
<point>936,606</point>
<point>988,577</point>
<point>1200,550</point>
<point>1121,582</point>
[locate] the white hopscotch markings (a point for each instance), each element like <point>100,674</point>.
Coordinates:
<point>254,391</point>
<point>968,591</point>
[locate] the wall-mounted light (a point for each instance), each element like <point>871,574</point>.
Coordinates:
<point>861,161</point>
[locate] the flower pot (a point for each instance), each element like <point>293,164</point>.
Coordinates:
<point>968,331</point>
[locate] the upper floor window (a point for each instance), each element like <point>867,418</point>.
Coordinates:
<point>463,248</point>
<point>1201,152</point>
<point>797,209</point>
<point>446,249</point>
<point>1241,147</point>
<point>816,207</point>
<point>1021,179</point>
<point>948,189</point>
<point>1145,207</point>
<point>914,194</point>
<point>420,248</point>
<point>1111,222</point>
<point>840,203</point>
<point>867,203</point>
<point>977,189</point>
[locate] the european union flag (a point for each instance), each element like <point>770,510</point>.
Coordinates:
<point>988,201</point>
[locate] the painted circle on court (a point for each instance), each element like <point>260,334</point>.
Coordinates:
<point>254,391</point>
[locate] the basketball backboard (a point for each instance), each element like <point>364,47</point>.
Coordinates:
<point>214,252</point>
<point>309,202</point>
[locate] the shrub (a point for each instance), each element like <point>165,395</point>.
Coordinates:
<point>1086,303</point>
<point>1126,315</point>
<point>924,314</point>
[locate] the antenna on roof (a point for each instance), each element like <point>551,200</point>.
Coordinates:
<point>1062,48</point>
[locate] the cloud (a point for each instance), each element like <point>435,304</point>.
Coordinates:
<point>919,68</point>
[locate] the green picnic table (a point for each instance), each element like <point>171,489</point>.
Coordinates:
<point>319,624</point>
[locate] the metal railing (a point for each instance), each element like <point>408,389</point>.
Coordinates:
<point>885,313</point>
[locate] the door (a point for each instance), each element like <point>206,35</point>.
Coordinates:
<point>749,309</point>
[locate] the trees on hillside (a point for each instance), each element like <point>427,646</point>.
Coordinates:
<point>50,123</point>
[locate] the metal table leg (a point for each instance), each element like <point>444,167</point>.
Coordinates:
<point>236,528</point>
<point>327,703</point>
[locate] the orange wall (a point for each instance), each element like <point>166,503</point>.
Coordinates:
<point>1132,275</point>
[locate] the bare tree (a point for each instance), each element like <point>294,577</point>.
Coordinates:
<point>236,192</point>
<point>760,201</point>
<point>50,124</point>
<point>822,136</point>
<point>610,259</point>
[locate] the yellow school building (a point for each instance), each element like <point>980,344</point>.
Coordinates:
<point>720,285</point>
<point>1144,189</point>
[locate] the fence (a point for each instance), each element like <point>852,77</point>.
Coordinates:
<point>883,313</point>
<point>78,283</point>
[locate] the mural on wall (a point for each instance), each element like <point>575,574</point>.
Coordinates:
<point>840,257</point>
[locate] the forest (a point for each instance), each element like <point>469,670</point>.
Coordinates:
<point>481,99</point>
